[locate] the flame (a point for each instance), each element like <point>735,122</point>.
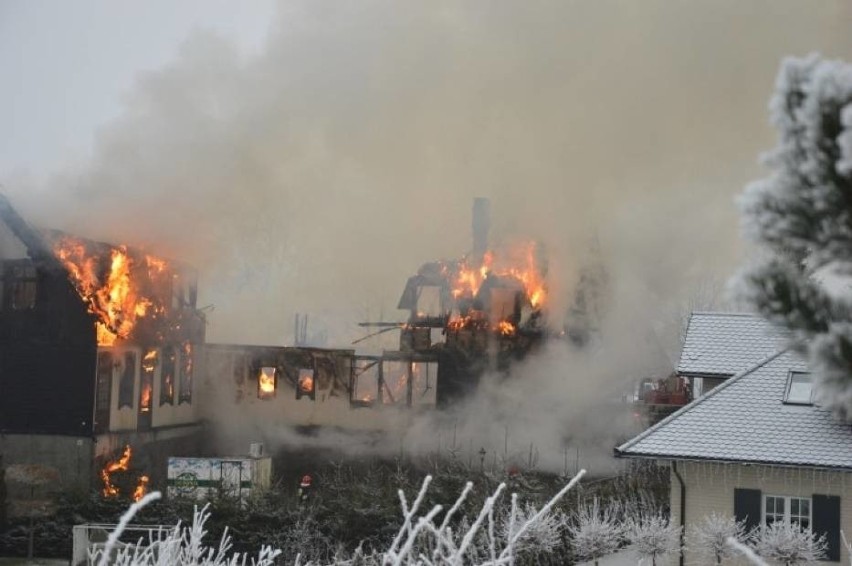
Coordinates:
<point>149,362</point>
<point>530,275</point>
<point>306,382</point>
<point>518,263</point>
<point>187,358</point>
<point>115,466</point>
<point>141,488</point>
<point>266,381</point>
<point>506,328</point>
<point>145,401</point>
<point>122,465</point>
<point>110,288</point>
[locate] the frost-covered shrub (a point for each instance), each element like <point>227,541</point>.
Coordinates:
<point>709,538</point>
<point>788,544</point>
<point>180,546</point>
<point>422,539</point>
<point>543,536</point>
<point>595,532</point>
<point>652,534</point>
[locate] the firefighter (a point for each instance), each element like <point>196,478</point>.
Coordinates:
<point>305,489</point>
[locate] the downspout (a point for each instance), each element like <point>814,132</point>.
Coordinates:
<point>682,507</point>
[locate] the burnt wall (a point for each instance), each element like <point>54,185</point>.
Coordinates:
<point>47,359</point>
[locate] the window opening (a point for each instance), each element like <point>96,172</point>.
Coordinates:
<point>21,284</point>
<point>267,381</point>
<point>167,376</point>
<point>306,384</point>
<point>128,381</point>
<point>146,383</point>
<point>185,384</point>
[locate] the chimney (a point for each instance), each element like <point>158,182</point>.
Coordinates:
<point>481,224</point>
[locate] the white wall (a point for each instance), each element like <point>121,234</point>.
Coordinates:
<point>710,488</point>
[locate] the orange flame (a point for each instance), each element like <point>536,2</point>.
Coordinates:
<point>111,292</point>
<point>306,381</point>
<point>519,264</point>
<point>141,488</point>
<point>266,381</point>
<point>149,362</point>
<point>506,328</point>
<point>122,465</point>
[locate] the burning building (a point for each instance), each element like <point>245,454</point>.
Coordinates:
<point>101,347</point>
<point>464,318</point>
<point>97,351</point>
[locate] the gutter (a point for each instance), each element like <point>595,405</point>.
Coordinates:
<point>716,460</point>
<point>682,507</point>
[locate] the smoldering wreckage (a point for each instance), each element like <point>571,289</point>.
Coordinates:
<point>104,363</point>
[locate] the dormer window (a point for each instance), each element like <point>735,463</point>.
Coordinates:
<point>799,389</point>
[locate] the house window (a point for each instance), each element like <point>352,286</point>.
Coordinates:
<point>103,391</point>
<point>185,383</point>
<point>167,376</point>
<point>146,382</point>
<point>799,389</point>
<point>128,381</point>
<point>20,286</point>
<point>787,509</point>
<point>306,384</point>
<point>267,380</point>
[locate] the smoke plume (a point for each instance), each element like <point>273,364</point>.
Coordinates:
<point>316,175</point>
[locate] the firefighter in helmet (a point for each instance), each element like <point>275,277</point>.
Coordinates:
<point>305,488</point>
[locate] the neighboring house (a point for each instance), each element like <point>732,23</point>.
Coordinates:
<point>719,345</point>
<point>755,447</point>
<point>71,394</point>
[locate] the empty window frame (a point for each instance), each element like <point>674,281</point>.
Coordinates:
<point>430,302</point>
<point>799,389</point>
<point>408,382</point>
<point>267,382</point>
<point>364,382</point>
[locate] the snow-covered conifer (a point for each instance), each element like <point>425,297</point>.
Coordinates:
<point>802,215</point>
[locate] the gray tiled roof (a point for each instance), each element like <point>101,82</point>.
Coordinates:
<point>745,420</point>
<point>727,343</point>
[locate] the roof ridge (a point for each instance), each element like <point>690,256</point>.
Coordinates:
<point>701,400</point>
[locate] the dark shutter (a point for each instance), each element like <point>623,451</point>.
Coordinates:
<point>826,522</point>
<point>747,507</point>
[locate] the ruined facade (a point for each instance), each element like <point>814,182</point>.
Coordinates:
<point>97,346</point>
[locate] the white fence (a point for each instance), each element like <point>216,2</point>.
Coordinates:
<point>89,538</point>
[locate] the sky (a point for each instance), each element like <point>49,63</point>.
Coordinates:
<point>309,156</point>
<point>68,65</point>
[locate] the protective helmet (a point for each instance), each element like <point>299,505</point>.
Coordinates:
<point>306,480</point>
